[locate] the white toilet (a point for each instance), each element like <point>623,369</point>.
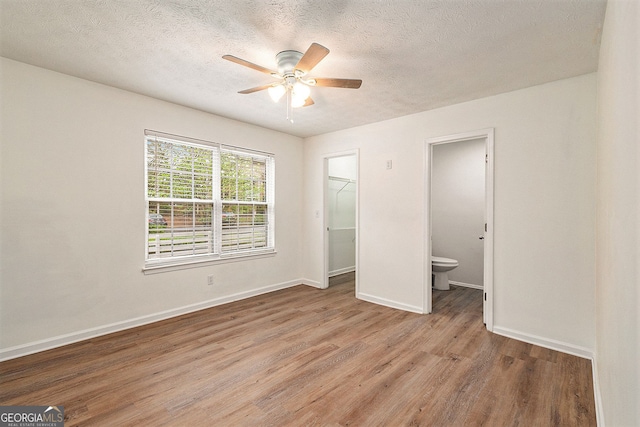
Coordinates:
<point>439,267</point>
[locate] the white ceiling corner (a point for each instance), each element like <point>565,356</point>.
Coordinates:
<point>412,55</point>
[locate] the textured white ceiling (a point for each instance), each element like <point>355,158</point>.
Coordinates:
<point>412,55</point>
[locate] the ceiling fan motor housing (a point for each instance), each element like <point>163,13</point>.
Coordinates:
<point>287,61</point>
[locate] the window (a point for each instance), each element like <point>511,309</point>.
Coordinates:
<point>244,201</point>
<point>206,201</point>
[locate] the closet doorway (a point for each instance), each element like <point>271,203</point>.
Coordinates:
<point>340,216</point>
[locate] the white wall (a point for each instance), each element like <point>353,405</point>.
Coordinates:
<point>618,216</point>
<point>73,211</point>
<point>457,206</point>
<point>544,207</point>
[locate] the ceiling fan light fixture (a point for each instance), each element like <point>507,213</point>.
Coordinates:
<point>276,92</point>
<point>297,102</point>
<point>299,94</point>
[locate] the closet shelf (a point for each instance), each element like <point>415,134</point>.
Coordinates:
<point>347,181</point>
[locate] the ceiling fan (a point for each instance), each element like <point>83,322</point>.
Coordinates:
<point>293,81</point>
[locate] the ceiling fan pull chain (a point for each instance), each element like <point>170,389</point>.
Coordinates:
<point>289,108</point>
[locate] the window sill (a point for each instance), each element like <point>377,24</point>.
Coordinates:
<point>164,267</point>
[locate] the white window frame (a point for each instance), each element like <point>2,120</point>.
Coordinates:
<point>216,254</point>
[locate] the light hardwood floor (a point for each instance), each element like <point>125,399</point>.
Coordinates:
<point>309,357</point>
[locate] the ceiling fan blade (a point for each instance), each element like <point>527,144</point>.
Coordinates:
<point>249,64</point>
<point>256,89</point>
<point>308,102</point>
<point>344,83</point>
<point>311,57</point>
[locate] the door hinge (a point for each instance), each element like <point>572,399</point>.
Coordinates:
<point>485,296</point>
<point>486,158</point>
<point>485,227</point>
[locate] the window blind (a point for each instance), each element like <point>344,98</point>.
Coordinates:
<point>206,200</point>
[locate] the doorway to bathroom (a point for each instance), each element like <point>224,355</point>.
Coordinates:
<point>341,217</point>
<point>459,213</point>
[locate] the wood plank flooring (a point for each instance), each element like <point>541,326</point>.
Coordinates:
<point>309,357</point>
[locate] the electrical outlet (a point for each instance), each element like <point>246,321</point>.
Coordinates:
<point>210,280</point>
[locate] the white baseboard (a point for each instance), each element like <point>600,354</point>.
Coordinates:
<point>389,303</point>
<point>342,271</point>
<point>563,347</point>
<point>312,283</point>
<point>61,340</point>
<point>466,285</point>
<point>596,394</point>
